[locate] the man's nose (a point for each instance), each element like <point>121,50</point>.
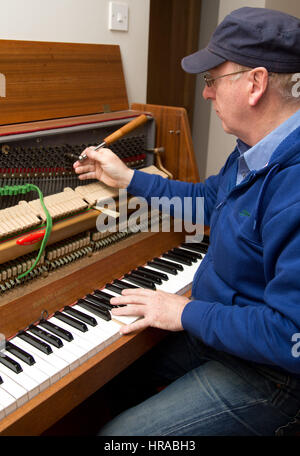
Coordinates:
<point>208,93</point>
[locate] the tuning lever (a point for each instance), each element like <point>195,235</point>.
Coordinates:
<point>118,134</point>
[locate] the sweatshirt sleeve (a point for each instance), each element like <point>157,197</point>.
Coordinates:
<point>151,186</point>
<point>267,332</point>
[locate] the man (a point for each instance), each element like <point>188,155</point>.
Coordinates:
<point>232,363</point>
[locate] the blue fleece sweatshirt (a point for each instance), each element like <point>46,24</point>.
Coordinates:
<point>246,292</point>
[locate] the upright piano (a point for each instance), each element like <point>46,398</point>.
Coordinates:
<point>57,99</point>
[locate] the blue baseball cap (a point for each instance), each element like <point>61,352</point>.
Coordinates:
<point>251,37</point>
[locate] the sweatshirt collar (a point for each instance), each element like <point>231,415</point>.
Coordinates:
<point>258,156</point>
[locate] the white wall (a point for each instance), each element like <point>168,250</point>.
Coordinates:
<point>287,6</point>
<point>83,21</point>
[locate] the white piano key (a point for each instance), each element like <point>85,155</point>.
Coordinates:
<point>181,282</point>
<point>44,362</point>
<point>32,371</point>
<point>8,404</point>
<point>22,379</point>
<point>83,339</point>
<point>72,347</point>
<point>110,328</point>
<point>98,336</point>
<point>103,337</point>
<point>52,358</point>
<point>15,390</point>
<point>169,285</point>
<point>68,356</point>
<point>76,350</point>
<point>78,345</point>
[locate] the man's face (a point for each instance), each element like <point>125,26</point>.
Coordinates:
<point>229,98</point>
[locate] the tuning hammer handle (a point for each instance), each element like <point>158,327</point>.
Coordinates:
<point>132,125</point>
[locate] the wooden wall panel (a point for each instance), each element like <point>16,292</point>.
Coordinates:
<point>174,135</point>
<point>173,34</point>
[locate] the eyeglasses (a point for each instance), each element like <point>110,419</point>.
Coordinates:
<point>210,81</point>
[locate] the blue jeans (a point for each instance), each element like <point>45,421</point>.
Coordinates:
<point>209,393</point>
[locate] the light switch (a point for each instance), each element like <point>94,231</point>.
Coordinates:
<point>118,16</point>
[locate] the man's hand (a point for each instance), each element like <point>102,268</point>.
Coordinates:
<point>157,309</point>
<point>105,166</point>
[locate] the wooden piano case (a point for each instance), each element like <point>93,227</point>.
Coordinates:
<point>50,86</point>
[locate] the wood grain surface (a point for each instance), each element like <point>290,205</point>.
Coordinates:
<point>50,80</point>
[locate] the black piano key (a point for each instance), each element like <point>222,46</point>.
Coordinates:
<point>123,285</point>
<point>105,296</point>
<point>55,329</point>
<point>1,381</point>
<point>195,246</point>
<point>81,316</point>
<point>71,321</point>
<point>104,314</point>
<point>205,240</point>
<point>39,344</point>
<point>171,264</point>
<point>146,275</point>
<point>203,246</point>
<point>181,254</point>
<point>162,267</point>
<point>198,255</point>
<point>98,302</point>
<point>191,246</point>
<point>11,364</point>
<point>194,255</point>
<point>157,274</point>
<point>114,288</point>
<point>141,282</point>
<point>20,353</point>
<point>47,337</point>
<point>177,258</point>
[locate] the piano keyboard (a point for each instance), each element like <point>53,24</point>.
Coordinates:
<point>39,356</point>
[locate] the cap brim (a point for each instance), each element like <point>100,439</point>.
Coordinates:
<point>201,61</point>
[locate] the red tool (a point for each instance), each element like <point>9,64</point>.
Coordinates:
<point>31,238</point>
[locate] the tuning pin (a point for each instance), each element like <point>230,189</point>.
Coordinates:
<point>71,156</point>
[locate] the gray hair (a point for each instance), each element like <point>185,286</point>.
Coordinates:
<point>285,84</point>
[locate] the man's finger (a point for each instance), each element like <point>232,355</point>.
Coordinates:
<point>87,167</point>
<point>138,292</point>
<point>90,175</point>
<point>128,310</point>
<point>136,326</point>
<point>131,299</point>
<point>94,154</point>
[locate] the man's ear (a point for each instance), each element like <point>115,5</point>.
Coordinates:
<point>257,83</point>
